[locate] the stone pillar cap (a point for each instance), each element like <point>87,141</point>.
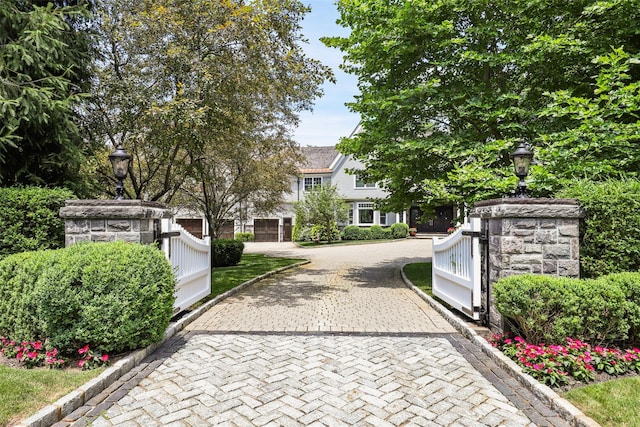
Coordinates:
<point>117,209</point>
<point>527,208</point>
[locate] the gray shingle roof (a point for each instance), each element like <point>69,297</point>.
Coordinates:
<point>318,158</point>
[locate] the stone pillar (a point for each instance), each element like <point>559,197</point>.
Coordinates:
<point>538,236</point>
<point>108,220</point>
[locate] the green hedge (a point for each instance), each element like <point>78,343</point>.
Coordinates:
<point>375,232</point>
<point>399,230</point>
<point>245,237</point>
<point>226,252</point>
<point>29,219</point>
<point>547,309</point>
<point>610,230</point>
<point>113,296</point>
<point>319,232</point>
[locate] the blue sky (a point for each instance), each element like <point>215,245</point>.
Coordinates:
<point>330,119</point>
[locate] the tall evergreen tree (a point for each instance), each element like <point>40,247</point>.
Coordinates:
<point>44,67</point>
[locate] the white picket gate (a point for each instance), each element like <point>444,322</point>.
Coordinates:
<point>456,269</point>
<point>191,259</point>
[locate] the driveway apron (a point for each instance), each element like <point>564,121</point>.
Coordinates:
<point>340,341</point>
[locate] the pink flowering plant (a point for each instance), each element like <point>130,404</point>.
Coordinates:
<point>31,354</point>
<point>554,365</point>
<point>90,359</point>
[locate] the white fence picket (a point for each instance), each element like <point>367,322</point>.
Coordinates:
<point>456,269</point>
<point>191,260</point>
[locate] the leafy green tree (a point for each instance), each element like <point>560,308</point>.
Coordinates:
<point>448,87</point>
<point>44,58</point>
<point>322,207</point>
<point>602,129</point>
<point>204,95</point>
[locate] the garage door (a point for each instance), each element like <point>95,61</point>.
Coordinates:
<point>265,230</point>
<point>193,226</point>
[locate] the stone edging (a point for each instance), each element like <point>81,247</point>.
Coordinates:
<point>56,411</point>
<point>566,410</point>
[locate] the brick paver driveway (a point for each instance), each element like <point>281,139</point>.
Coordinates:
<point>340,341</point>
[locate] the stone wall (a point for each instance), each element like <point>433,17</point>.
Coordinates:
<point>108,220</point>
<point>538,236</point>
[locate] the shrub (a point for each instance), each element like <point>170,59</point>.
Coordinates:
<point>226,252</point>
<point>549,309</point>
<point>304,234</point>
<point>113,296</point>
<point>350,232</point>
<point>320,233</point>
<point>29,219</point>
<point>245,237</point>
<point>377,233</point>
<point>364,234</point>
<point>399,230</point>
<point>629,283</point>
<point>18,276</point>
<point>609,238</point>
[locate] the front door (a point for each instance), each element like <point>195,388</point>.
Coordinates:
<point>287,229</point>
<point>439,224</point>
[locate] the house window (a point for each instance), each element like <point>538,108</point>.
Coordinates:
<point>383,218</point>
<point>312,182</point>
<point>365,213</point>
<point>360,183</point>
<point>350,216</point>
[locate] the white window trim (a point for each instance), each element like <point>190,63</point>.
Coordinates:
<point>313,182</point>
<point>365,206</point>
<point>366,186</point>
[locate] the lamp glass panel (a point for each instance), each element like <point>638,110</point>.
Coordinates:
<point>120,167</point>
<point>521,164</point>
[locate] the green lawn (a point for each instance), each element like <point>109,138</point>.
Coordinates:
<point>24,391</point>
<point>612,403</point>
<point>419,274</point>
<point>251,265</point>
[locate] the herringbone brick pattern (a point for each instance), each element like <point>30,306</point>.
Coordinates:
<point>340,342</point>
<point>276,380</point>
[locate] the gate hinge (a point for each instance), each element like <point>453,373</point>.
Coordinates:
<point>471,233</point>
<point>169,234</point>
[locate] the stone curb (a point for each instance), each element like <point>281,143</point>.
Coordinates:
<point>64,406</point>
<point>566,410</point>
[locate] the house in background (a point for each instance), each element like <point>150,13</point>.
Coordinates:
<point>324,166</point>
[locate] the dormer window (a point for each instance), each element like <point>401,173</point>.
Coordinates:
<point>360,183</point>
<point>312,182</point>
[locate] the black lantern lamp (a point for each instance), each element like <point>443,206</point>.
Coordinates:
<point>521,162</point>
<point>120,162</point>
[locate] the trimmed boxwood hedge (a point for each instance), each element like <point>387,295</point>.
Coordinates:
<point>547,309</point>
<point>29,219</point>
<point>399,230</point>
<point>226,252</point>
<point>113,296</point>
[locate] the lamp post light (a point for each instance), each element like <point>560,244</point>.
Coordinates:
<point>521,162</point>
<point>120,163</point>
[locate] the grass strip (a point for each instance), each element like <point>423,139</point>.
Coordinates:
<point>419,274</point>
<point>611,403</point>
<point>250,266</point>
<point>24,391</point>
